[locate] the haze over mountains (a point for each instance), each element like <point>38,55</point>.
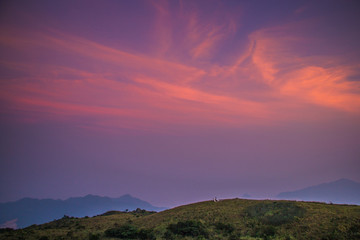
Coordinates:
<point>340,191</point>
<point>28,211</point>
<point>230,219</point>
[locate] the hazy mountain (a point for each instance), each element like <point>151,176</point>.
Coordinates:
<point>30,211</point>
<point>340,191</point>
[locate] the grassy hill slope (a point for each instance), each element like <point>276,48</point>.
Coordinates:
<point>226,219</point>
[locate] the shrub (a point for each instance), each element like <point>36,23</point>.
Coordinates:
<point>94,236</point>
<point>233,237</point>
<point>142,212</point>
<point>168,235</point>
<point>108,213</point>
<point>4,230</point>
<point>125,231</point>
<point>130,232</point>
<point>275,213</point>
<point>146,234</point>
<point>188,228</point>
<point>267,231</point>
<point>224,227</point>
<point>354,231</point>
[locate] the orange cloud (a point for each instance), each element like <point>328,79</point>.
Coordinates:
<point>236,106</point>
<point>327,87</point>
<point>315,80</point>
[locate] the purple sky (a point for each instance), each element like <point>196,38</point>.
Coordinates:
<point>177,101</point>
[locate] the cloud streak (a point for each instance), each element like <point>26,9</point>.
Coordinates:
<point>78,77</point>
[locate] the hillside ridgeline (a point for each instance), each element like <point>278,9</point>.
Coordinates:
<point>226,219</point>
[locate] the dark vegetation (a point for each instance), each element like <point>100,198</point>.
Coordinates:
<point>275,213</point>
<point>136,212</point>
<point>224,227</point>
<point>6,230</point>
<point>187,228</point>
<point>129,231</point>
<point>236,219</point>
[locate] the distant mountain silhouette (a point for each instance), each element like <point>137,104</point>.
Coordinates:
<point>246,195</point>
<point>30,211</point>
<point>341,191</point>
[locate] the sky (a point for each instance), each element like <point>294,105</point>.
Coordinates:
<point>177,101</point>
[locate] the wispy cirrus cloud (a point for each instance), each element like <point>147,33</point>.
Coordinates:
<point>78,77</point>
<point>320,80</point>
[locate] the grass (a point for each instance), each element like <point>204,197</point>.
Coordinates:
<point>227,219</point>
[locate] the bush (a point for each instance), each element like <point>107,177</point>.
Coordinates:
<point>354,232</point>
<point>130,232</point>
<point>224,227</point>
<point>188,228</point>
<point>108,213</point>
<point>275,213</point>
<point>142,212</point>
<point>168,235</point>
<point>267,231</point>
<point>125,231</point>
<point>146,234</point>
<point>4,230</point>
<point>233,237</point>
<point>94,236</point>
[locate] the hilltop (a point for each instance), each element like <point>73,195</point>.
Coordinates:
<point>227,219</point>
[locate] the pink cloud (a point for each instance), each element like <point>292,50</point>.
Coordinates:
<point>124,88</point>
<point>320,81</point>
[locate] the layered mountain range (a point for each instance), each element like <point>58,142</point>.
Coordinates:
<point>28,211</point>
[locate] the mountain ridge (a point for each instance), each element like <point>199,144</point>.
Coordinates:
<point>30,211</point>
<point>341,191</point>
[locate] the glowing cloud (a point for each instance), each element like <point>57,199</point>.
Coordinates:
<point>78,77</point>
